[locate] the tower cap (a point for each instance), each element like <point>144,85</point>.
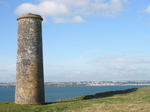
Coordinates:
<point>30,15</point>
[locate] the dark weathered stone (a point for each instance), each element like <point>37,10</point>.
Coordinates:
<point>29,73</point>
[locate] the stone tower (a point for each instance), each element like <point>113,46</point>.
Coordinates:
<point>29,68</point>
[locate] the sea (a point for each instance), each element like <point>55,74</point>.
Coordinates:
<point>53,94</point>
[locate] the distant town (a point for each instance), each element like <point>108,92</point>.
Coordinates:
<point>85,83</point>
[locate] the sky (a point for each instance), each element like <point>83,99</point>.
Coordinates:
<point>83,40</point>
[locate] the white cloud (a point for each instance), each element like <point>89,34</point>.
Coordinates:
<point>122,59</point>
<point>77,19</point>
<point>76,72</point>
<point>68,20</point>
<point>4,3</point>
<point>3,70</point>
<point>7,73</point>
<point>147,9</point>
<point>60,9</point>
<point>46,8</point>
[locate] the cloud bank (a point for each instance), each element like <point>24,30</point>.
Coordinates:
<point>63,11</point>
<point>123,67</point>
<point>115,67</point>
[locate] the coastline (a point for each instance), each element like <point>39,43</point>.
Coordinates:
<point>85,83</point>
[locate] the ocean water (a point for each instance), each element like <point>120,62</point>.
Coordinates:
<point>53,94</point>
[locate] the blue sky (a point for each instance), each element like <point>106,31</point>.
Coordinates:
<point>88,40</point>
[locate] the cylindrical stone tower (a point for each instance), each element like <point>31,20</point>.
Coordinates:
<point>29,73</point>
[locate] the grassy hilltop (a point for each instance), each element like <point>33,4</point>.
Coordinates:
<point>131,100</point>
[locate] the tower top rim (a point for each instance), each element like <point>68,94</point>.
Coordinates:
<point>30,15</point>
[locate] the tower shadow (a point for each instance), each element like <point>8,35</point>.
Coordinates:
<point>108,94</point>
<point>97,95</point>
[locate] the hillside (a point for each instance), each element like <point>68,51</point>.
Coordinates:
<point>131,100</point>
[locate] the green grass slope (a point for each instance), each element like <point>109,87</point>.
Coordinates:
<point>131,100</point>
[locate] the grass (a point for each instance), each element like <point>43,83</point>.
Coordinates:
<point>131,100</point>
